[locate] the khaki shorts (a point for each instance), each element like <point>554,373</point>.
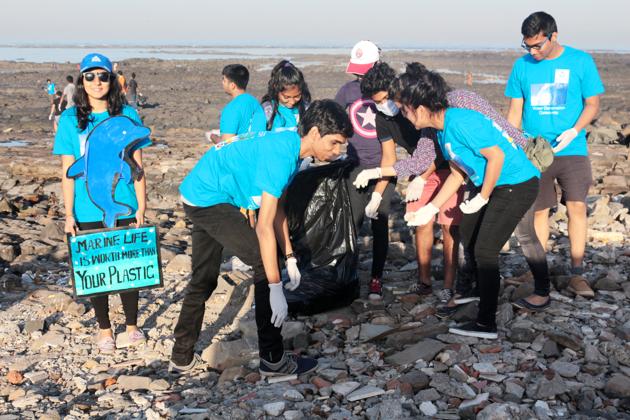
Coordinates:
<point>573,176</point>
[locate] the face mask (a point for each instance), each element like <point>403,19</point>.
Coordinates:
<point>388,108</point>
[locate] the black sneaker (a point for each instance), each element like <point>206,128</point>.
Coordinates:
<point>446,311</point>
<point>473,329</point>
<point>290,364</point>
<point>421,289</point>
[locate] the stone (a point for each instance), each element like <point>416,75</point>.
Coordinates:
<point>550,349</point>
<point>522,332</point>
<point>53,231</point>
<point>365,392</point>
<point>293,395</point>
<point>425,350</point>
<point>33,325</point>
<point>345,388</point>
<point>565,339</point>
<point>35,248</point>
<point>293,415</point>
<point>504,411</point>
<point>417,379</point>
<point>468,408</point>
<point>133,382</point>
<point>542,410</point>
<point>513,391</point>
<point>485,368</point>
<point>369,331</point>
<point>548,388</point>
<point>333,374</point>
<point>428,395</point>
<point>7,252</point>
<point>618,386</point>
<point>567,370</point>
<point>182,263</point>
<point>36,377</point>
<point>451,387</point>
<point>274,408</point>
<point>233,373</point>
<point>428,409</point>
<point>14,377</point>
<point>159,385</point>
<point>221,355</point>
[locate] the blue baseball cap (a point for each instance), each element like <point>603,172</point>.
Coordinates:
<point>95,61</point>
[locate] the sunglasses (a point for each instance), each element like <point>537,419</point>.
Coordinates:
<point>102,76</point>
<point>536,47</point>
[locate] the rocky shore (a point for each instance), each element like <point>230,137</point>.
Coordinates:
<point>388,360</point>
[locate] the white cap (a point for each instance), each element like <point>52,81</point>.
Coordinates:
<point>362,57</point>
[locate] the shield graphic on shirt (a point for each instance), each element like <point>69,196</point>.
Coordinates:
<point>362,114</point>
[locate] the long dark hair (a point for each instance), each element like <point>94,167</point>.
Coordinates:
<point>419,86</point>
<point>115,101</point>
<point>285,74</point>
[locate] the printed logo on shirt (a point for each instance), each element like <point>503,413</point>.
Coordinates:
<point>550,98</point>
<point>474,177</point>
<point>363,118</point>
<point>246,136</point>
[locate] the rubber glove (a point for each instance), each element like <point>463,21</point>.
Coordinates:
<point>371,210</point>
<point>294,274</point>
<point>565,139</point>
<point>365,176</point>
<point>473,205</point>
<point>414,189</point>
<point>422,216</point>
<point>279,307</point>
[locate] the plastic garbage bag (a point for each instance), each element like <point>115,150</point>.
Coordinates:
<point>323,238</point>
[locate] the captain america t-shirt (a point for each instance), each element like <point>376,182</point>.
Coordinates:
<point>364,146</point>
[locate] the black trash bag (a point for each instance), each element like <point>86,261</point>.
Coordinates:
<point>323,238</point>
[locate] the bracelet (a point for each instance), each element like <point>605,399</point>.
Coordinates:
<point>289,255</point>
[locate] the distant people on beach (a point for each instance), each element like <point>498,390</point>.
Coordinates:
<point>50,90</point>
<point>287,96</point>
<point>132,92</point>
<point>68,92</point>
<point>97,98</point>
<point>243,114</point>
<point>56,108</point>
<point>122,82</point>
<point>554,93</point>
<point>469,79</point>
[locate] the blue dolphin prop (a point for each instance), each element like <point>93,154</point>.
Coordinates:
<point>107,160</point>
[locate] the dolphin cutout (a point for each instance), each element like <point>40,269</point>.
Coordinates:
<point>107,160</point>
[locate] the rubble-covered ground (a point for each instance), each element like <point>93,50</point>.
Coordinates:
<point>386,360</point>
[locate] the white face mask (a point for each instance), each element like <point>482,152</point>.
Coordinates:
<point>388,108</point>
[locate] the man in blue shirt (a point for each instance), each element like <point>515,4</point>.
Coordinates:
<point>243,114</point>
<point>251,171</point>
<point>554,93</point>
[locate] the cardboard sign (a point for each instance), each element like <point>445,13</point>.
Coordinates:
<point>115,260</point>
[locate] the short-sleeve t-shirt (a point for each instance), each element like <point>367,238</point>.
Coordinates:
<point>68,91</point>
<point>400,129</point>
<point>69,140</point>
<point>285,117</point>
<point>241,115</point>
<point>50,88</point>
<point>466,132</point>
<point>364,146</point>
<point>554,92</point>
<point>237,171</point>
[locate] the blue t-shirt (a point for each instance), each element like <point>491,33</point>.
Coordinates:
<point>69,140</point>
<point>554,92</point>
<point>237,171</point>
<point>285,117</point>
<point>466,132</point>
<point>50,88</point>
<point>241,115</point>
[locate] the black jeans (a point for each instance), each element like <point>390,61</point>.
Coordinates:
<point>216,227</point>
<point>129,299</point>
<point>485,232</point>
<point>380,226</point>
<point>534,252</point>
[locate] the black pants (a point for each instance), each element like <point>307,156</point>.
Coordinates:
<point>485,232</point>
<point>214,228</point>
<point>534,252</point>
<point>101,303</point>
<point>380,227</point>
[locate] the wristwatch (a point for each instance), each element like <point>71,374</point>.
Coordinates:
<point>289,255</point>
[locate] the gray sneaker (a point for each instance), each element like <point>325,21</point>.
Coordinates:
<point>445,295</point>
<point>197,363</point>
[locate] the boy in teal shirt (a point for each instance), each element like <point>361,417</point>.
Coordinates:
<point>251,171</point>
<point>554,93</point>
<point>243,114</point>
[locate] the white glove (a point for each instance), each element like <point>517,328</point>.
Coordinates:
<point>565,139</point>
<point>414,189</point>
<point>422,216</point>
<point>371,210</point>
<point>279,307</point>
<point>473,205</point>
<point>294,274</point>
<point>50,117</point>
<point>365,176</point>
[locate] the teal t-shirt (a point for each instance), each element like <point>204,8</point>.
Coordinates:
<point>237,171</point>
<point>69,140</point>
<point>554,92</point>
<point>285,117</point>
<point>466,132</point>
<point>241,115</point>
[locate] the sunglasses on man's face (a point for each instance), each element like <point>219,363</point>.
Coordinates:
<point>102,76</point>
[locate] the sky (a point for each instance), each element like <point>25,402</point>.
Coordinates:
<point>475,24</point>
